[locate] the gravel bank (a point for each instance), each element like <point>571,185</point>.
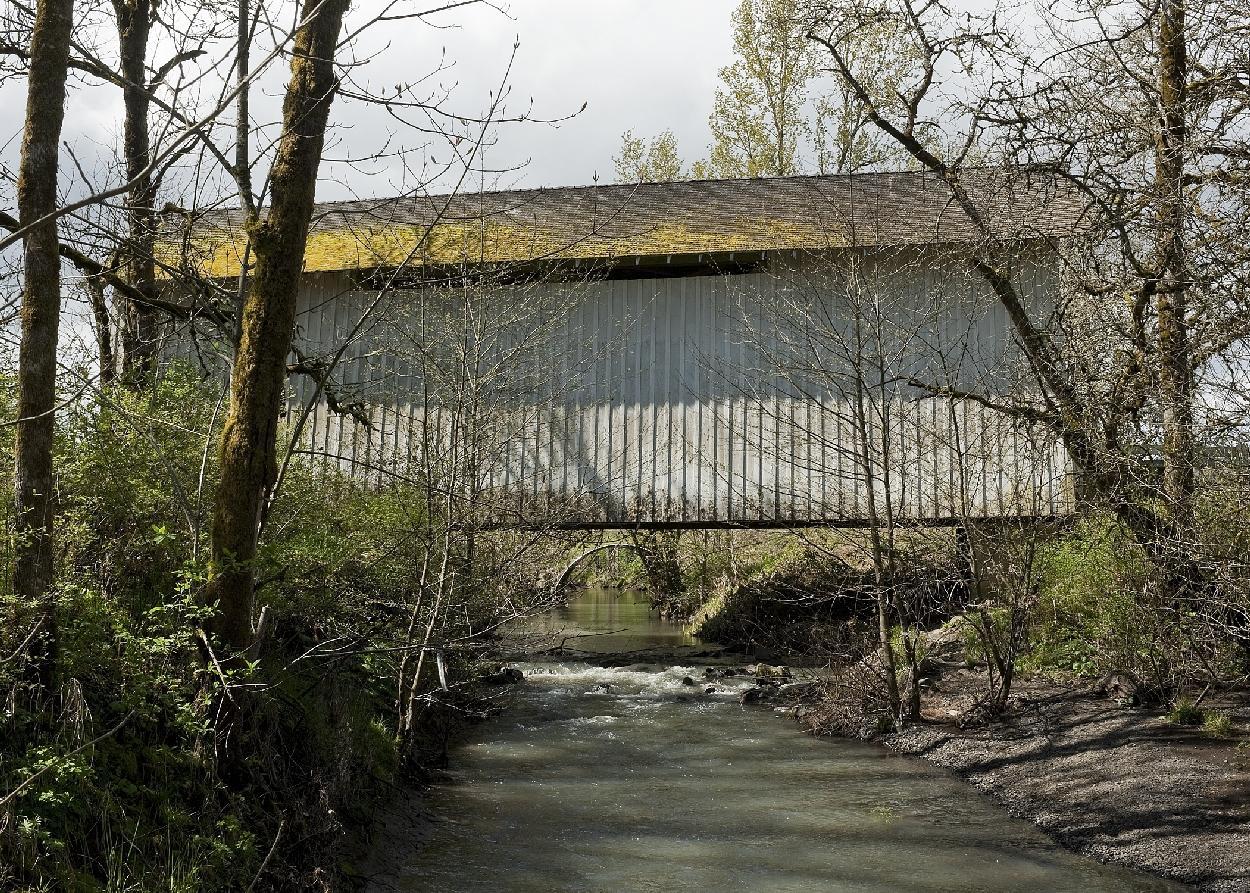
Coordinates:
<point>1117,784</point>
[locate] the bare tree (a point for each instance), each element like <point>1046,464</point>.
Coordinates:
<point>1145,117</point>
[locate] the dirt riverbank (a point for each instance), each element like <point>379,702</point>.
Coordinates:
<point>1121,785</point>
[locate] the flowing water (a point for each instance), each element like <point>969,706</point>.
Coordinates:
<point>629,779</point>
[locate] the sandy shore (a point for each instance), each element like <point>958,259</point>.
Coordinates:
<point>1118,784</point>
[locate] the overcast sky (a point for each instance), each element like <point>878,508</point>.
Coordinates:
<point>641,64</point>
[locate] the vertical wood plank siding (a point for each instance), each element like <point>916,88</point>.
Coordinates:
<point>690,399</point>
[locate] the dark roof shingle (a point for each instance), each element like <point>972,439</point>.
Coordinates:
<point>650,219</point>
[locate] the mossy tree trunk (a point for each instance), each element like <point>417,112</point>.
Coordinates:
<point>41,316</point>
<point>248,442</point>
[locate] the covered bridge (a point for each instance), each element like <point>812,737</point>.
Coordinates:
<point>761,352</point>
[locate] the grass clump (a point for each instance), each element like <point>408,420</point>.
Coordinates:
<point>1185,713</point>
<point>1241,754</point>
<point>1217,724</point>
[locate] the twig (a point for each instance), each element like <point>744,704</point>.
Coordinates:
<point>96,740</point>
<point>269,855</point>
<point>208,649</point>
<point>26,641</point>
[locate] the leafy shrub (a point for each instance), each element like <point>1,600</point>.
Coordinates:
<point>120,773</point>
<point>1089,617</point>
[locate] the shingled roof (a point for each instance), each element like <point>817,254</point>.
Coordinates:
<point>658,219</point>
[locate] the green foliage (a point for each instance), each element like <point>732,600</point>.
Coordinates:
<point>612,568</point>
<point>1089,614</point>
<point>759,118</point>
<point>333,548</point>
<point>898,645</point>
<point>1101,607</point>
<point>1221,510</point>
<point>137,476</point>
<point>1185,713</point>
<point>768,119</point>
<point>709,562</point>
<point>1218,724</point>
<point>787,596</point>
<point>972,638</point>
<point>657,161</point>
<point>116,776</point>
<point>119,784</point>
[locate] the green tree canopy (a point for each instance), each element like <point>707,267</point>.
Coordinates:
<point>776,113</point>
<point>760,120</point>
<point>640,161</point>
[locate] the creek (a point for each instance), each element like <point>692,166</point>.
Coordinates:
<point>627,778</point>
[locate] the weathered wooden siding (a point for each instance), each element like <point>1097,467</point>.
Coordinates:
<point>698,399</point>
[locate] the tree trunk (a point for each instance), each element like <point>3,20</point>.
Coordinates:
<point>41,313</point>
<point>134,24</point>
<point>248,441</point>
<point>885,650</point>
<point>1171,272</point>
<point>242,153</point>
<point>882,576</point>
<point>913,672</point>
<point>103,329</point>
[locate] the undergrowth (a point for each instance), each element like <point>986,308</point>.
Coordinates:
<point>150,764</point>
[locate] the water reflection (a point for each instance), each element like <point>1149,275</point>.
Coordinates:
<point>608,620</point>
